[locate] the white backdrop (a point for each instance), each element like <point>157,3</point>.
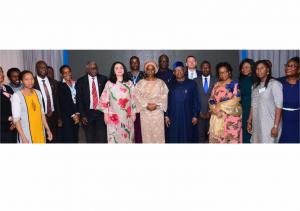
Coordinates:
<point>53,58</point>
<point>277,57</point>
<point>11,58</point>
<point>26,59</point>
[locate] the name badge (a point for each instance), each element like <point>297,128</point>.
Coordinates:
<point>261,90</point>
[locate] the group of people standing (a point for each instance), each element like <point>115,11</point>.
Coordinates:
<point>156,105</point>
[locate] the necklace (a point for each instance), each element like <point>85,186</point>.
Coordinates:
<point>33,105</point>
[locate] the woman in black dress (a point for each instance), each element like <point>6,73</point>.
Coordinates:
<point>8,131</point>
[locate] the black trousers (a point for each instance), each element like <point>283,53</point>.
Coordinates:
<point>203,127</point>
<point>52,123</point>
<point>69,131</point>
<point>95,130</point>
<point>8,136</point>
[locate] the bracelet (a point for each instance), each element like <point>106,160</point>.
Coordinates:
<point>275,126</point>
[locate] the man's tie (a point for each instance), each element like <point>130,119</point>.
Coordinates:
<point>49,108</point>
<point>205,85</point>
<point>94,94</point>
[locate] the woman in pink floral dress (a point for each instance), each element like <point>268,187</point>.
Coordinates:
<point>117,104</point>
<point>224,103</point>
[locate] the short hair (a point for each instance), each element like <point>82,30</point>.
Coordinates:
<point>23,73</point>
<point>63,67</point>
<point>163,55</point>
<point>91,62</point>
<point>113,77</point>
<point>295,59</point>
<point>205,62</point>
<point>134,57</point>
<point>40,62</point>
<point>190,56</point>
<point>11,70</point>
<point>223,64</point>
<point>252,65</point>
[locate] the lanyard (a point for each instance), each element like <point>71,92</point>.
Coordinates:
<point>134,78</point>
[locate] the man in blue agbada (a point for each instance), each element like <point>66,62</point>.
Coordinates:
<point>181,117</point>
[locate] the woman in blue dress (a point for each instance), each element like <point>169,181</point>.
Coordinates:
<point>291,102</point>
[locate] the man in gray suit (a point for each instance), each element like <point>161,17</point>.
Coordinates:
<point>205,83</point>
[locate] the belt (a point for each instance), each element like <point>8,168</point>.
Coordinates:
<point>291,109</point>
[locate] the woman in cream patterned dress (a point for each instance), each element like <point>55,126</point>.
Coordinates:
<point>152,99</point>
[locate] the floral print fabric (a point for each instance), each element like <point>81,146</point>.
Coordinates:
<point>232,124</point>
<point>117,101</point>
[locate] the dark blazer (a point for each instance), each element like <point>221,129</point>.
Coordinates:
<point>66,104</point>
<point>83,92</point>
<point>204,97</point>
<point>54,89</point>
<point>140,76</point>
<point>5,108</point>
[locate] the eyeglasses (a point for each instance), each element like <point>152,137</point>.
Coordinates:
<point>291,65</point>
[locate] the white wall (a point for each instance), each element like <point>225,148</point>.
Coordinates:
<point>277,57</point>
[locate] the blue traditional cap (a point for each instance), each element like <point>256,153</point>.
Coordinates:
<point>178,64</point>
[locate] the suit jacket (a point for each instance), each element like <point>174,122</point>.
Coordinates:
<point>140,76</point>
<point>66,103</point>
<point>55,91</point>
<point>204,97</point>
<point>83,93</point>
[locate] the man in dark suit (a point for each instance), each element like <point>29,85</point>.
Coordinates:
<point>88,92</point>
<point>191,68</point>
<point>205,83</point>
<point>164,73</point>
<point>49,90</point>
